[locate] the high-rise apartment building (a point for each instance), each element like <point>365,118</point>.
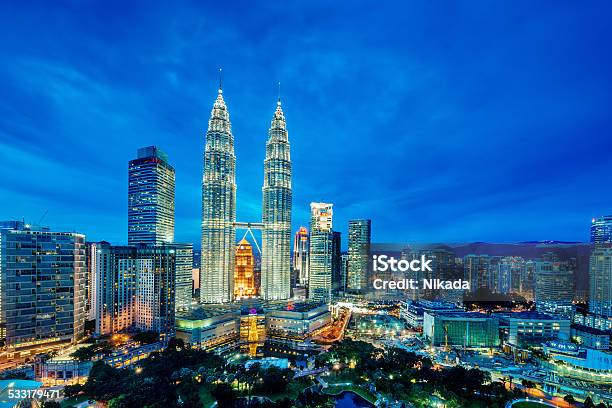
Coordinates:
<point>300,256</point>
<point>600,282</point>
<point>117,274</point>
<point>156,288</point>
<point>218,208</point>
<point>321,252</point>
<point>359,237</point>
<point>244,275</point>
<point>151,183</point>
<point>506,277</point>
<point>477,270</point>
<point>42,288</point>
<point>113,286</point>
<point>276,213</point>
<point>554,286</point>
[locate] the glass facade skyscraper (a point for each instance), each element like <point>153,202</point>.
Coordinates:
<point>321,252</point>
<point>359,236</point>
<point>600,282</point>
<point>42,288</point>
<point>276,213</point>
<point>151,182</point>
<point>300,256</point>
<point>601,230</point>
<point>218,208</point>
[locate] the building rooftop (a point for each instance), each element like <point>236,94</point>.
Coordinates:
<point>527,315</point>
<point>245,307</point>
<point>591,330</point>
<point>462,315</point>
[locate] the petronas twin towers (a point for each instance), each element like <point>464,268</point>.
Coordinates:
<point>219,210</point>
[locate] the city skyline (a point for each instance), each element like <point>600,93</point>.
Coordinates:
<point>431,101</point>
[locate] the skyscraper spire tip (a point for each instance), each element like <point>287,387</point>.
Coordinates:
<point>220,80</point>
<point>278,102</point>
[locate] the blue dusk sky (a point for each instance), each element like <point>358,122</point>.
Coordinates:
<point>440,121</point>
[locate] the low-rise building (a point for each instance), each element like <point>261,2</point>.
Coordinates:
<point>61,370</point>
<point>280,327</point>
<point>412,311</point>
<point>571,360</point>
<point>131,354</point>
<point>590,337</point>
<point>214,327</point>
<point>522,329</point>
<point>461,329</point>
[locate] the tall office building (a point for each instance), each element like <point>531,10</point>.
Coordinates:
<point>218,208</point>
<point>183,272</point>
<point>554,286</point>
<point>113,286</point>
<point>150,198</point>
<point>343,271</point>
<point>601,230</point>
<point>244,275</point>
<point>359,236</point>
<point>600,282</point>
<point>42,288</point>
<point>276,214</point>
<point>300,256</point>
<point>321,252</point>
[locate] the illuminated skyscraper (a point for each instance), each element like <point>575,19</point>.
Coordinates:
<point>244,276</point>
<point>276,214</point>
<point>321,252</point>
<point>359,236</point>
<point>218,208</point>
<point>182,275</point>
<point>157,267</point>
<point>150,198</point>
<point>601,230</point>
<point>600,282</point>
<point>300,256</point>
<point>113,286</point>
<point>149,279</point>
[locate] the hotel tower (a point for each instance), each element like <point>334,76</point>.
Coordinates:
<point>276,214</point>
<point>218,208</point>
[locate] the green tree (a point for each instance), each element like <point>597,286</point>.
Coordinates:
<point>224,394</point>
<point>147,337</point>
<point>72,390</point>
<point>50,404</point>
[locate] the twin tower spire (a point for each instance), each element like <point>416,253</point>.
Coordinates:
<point>219,209</point>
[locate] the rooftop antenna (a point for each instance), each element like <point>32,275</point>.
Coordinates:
<point>43,217</point>
<point>220,79</point>
<point>279,101</point>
